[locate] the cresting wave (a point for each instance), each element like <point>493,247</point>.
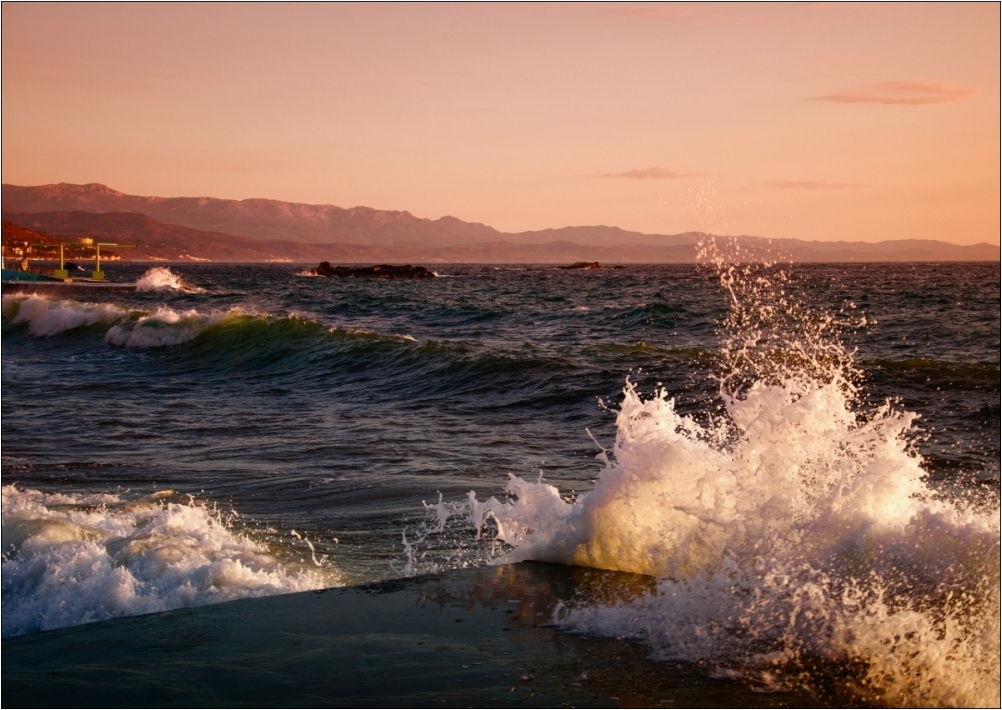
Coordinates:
<point>46,317</point>
<point>74,559</point>
<point>160,278</point>
<point>163,327</point>
<point>797,540</point>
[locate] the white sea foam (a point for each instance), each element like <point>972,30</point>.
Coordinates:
<point>161,278</point>
<point>73,559</point>
<point>800,529</point>
<point>46,317</point>
<point>132,329</point>
<point>165,327</point>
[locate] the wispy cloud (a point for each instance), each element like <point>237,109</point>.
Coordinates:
<point>900,93</point>
<point>653,174</point>
<point>811,184</point>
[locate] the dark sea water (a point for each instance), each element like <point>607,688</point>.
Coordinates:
<point>242,430</point>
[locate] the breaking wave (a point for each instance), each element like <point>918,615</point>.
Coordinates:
<point>797,539</point>
<point>165,327</point>
<point>77,558</point>
<point>46,318</point>
<point>160,278</point>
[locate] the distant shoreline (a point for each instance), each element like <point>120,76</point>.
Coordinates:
<point>259,231</point>
<point>415,262</point>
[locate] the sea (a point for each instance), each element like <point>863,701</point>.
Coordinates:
<point>804,457</point>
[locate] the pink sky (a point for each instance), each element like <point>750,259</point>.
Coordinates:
<point>847,121</point>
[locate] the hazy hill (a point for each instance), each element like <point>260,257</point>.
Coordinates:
<point>18,241</point>
<point>293,221</point>
<point>256,218</point>
<point>260,230</point>
<point>158,241</point>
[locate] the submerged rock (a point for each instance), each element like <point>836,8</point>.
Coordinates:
<point>380,271</point>
<point>583,265</point>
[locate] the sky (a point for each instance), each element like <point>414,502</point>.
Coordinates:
<point>859,121</point>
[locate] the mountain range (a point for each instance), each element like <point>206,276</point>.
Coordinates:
<point>207,228</point>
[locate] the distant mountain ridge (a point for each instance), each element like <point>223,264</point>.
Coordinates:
<point>180,228</point>
<point>293,221</point>
<point>255,218</point>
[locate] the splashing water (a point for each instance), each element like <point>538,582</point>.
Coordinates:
<point>165,327</point>
<point>160,278</point>
<point>796,539</point>
<point>46,318</point>
<point>74,559</point>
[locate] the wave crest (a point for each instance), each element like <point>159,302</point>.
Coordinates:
<point>797,540</point>
<point>74,559</point>
<point>160,278</point>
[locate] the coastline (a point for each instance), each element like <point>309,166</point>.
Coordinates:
<point>478,636</point>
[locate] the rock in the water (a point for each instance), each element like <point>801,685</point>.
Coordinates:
<point>381,271</point>
<point>583,265</point>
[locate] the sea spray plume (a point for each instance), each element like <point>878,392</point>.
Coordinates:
<point>440,541</point>
<point>797,539</point>
<point>770,337</point>
<point>161,278</point>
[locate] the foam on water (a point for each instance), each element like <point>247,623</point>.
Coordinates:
<point>165,327</point>
<point>46,317</point>
<point>132,329</point>
<point>797,539</point>
<point>160,278</point>
<point>76,558</point>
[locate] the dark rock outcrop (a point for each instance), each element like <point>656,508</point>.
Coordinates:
<point>583,265</point>
<point>381,271</point>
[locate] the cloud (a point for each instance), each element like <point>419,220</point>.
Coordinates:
<point>899,93</point>
<point>811,184</point>
<point>652,174</point>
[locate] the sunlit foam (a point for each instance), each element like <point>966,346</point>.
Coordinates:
<point>74,559</point>
<point>160,278</point>
<point>164,327</point>
<point>798,529</point>
<point>47,317</point>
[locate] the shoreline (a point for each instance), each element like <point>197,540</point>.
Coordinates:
<point>478,636</point>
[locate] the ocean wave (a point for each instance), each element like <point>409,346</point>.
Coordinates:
<point>160,278</point>
<point>954,375</point>
<point>46,317</point>
<point>165,327</point>
<point>796,539</point>
<point>77,558</point>
<point>134,328</point>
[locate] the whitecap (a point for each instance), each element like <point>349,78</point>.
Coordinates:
<point>74,559</point>
<point>161,278</point>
